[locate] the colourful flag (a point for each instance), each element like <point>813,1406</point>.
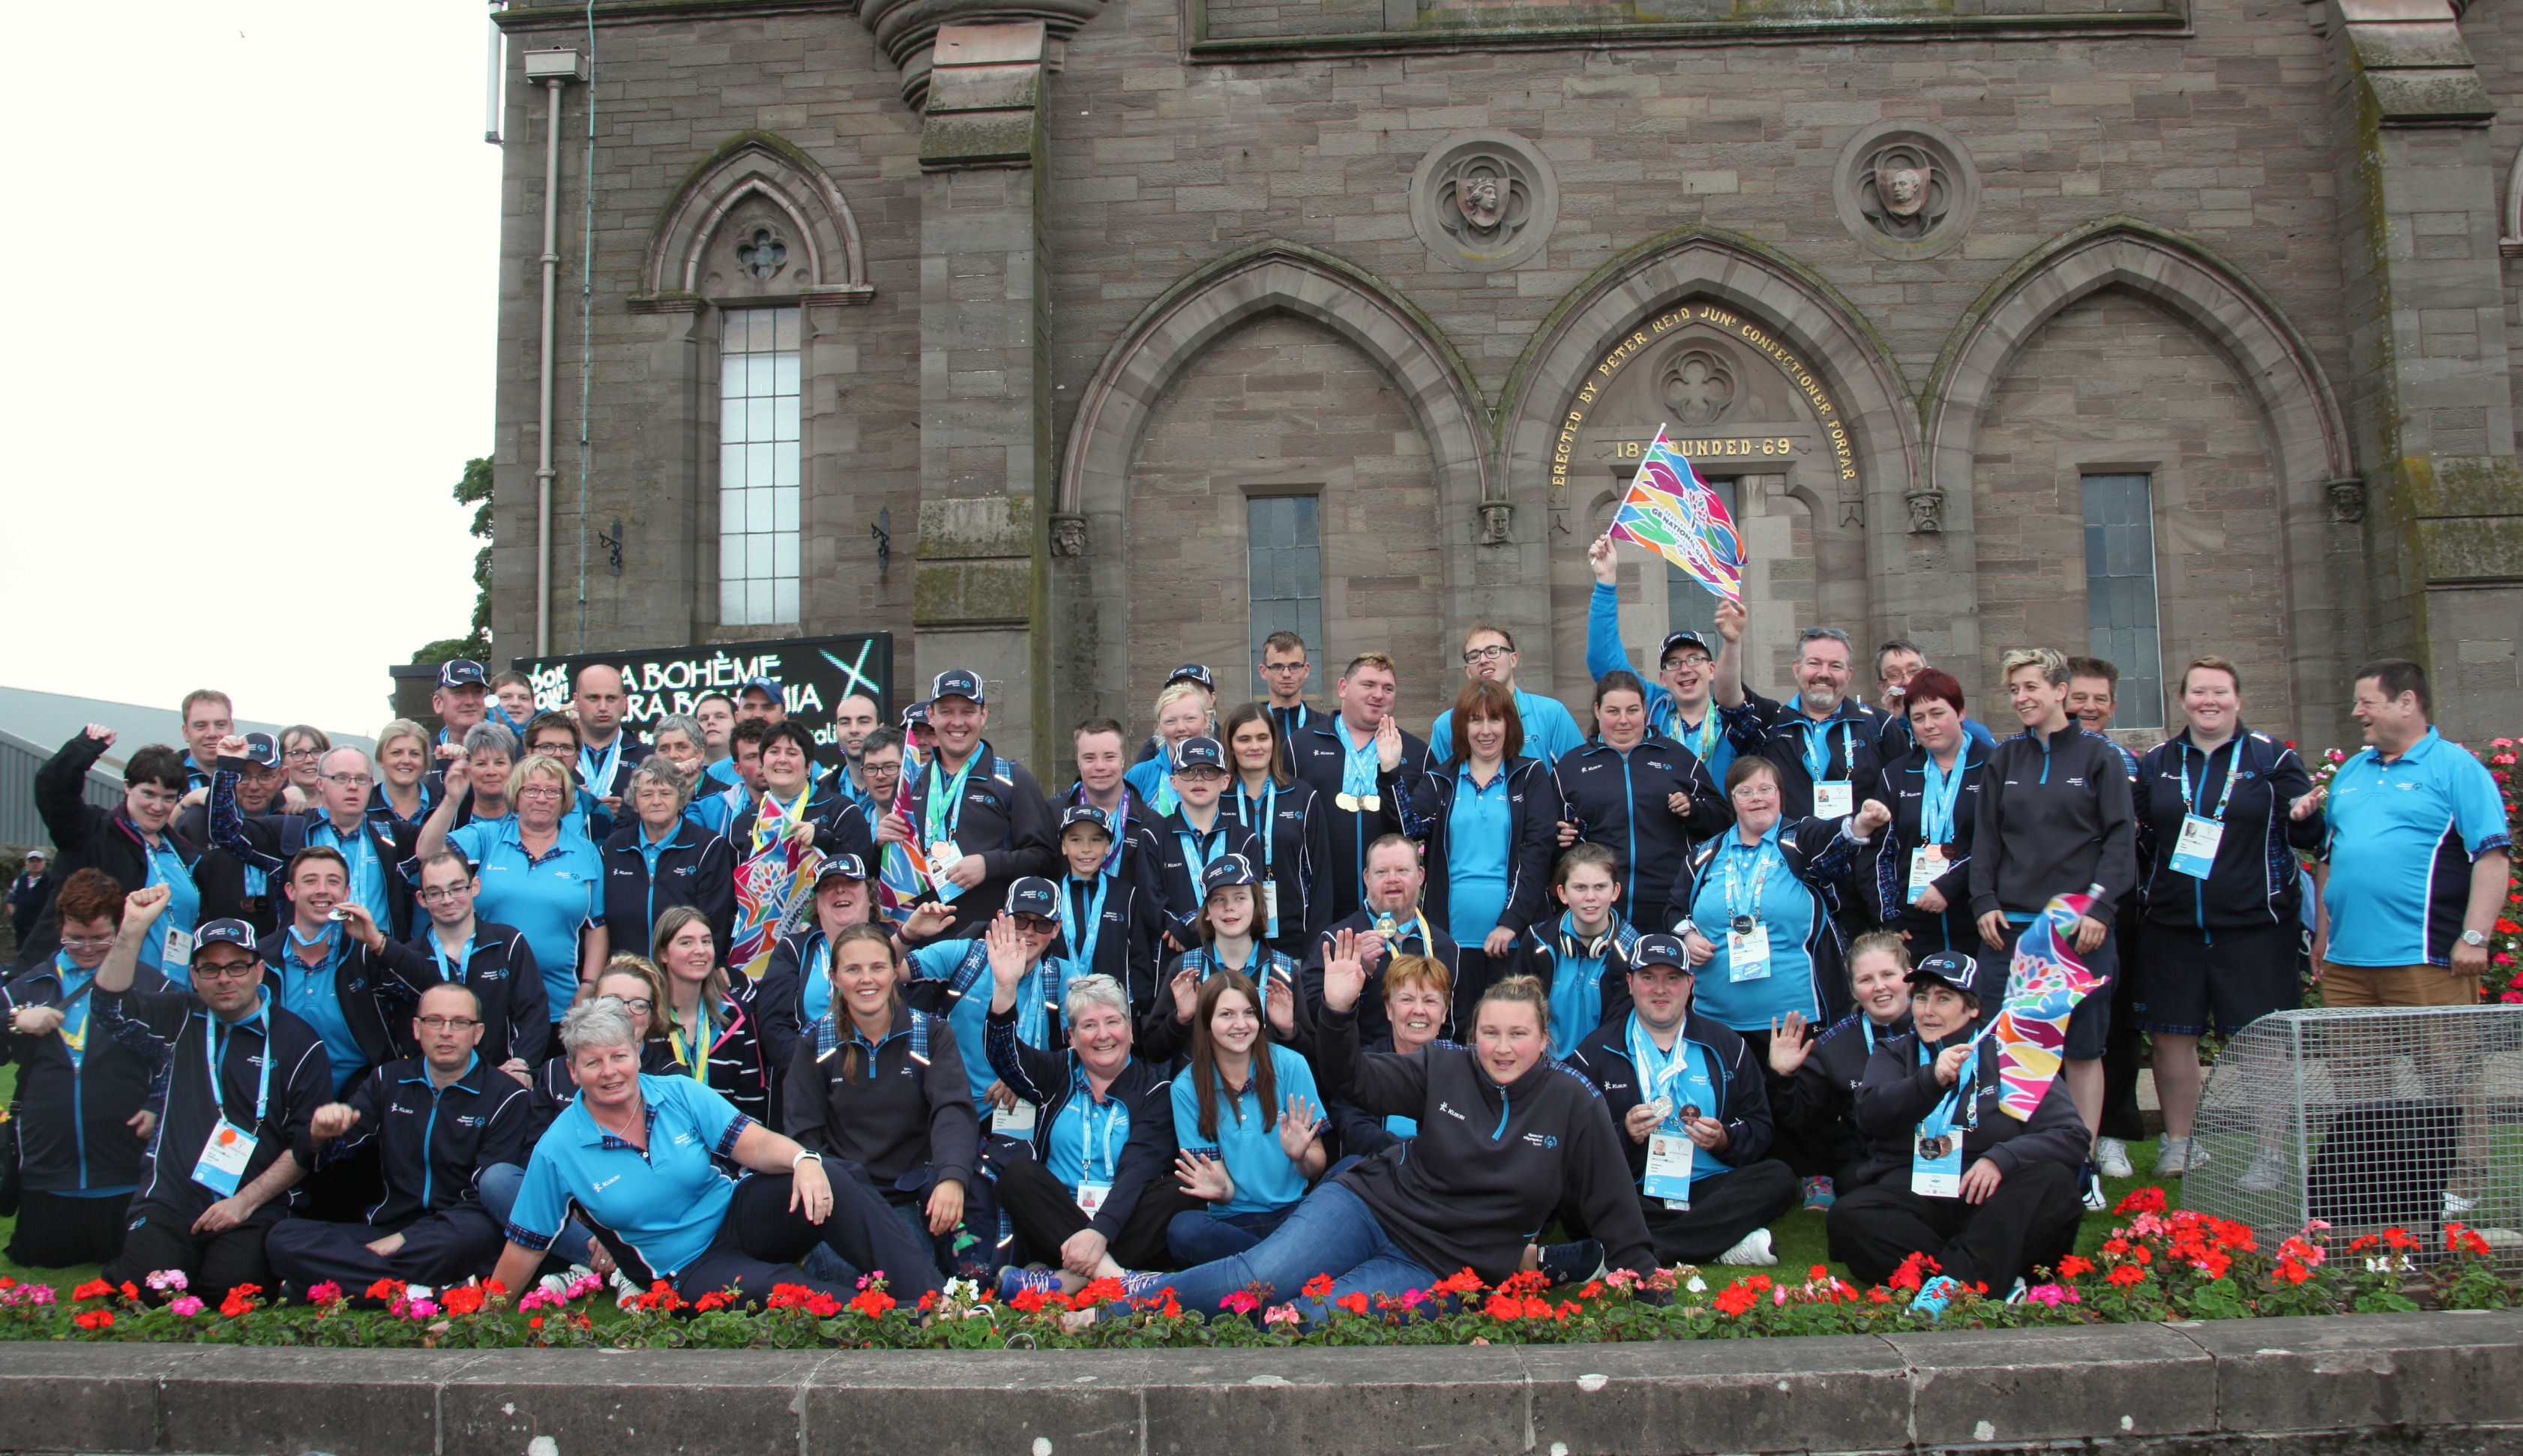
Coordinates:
<point>2043,985</point>
<point>902,871</point>
<point>1673,513</point>
<point>774,885</point>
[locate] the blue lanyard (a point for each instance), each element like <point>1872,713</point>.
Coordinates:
<point>1960,1099</point>
<point>464,958</point>
<point>1082,946</point>
<point>1936,808</point>
<point>1084,1099</point>
<point>1761,862</point>
<point>2233,761</point>
<point>942,822</point>
<point>1270,798</point>
<point>1194,860</point>
<point>263,1090</point>
<point>598,771</point>
<point>1358,769</point>
<point>1120,831</point>
<point>1818,765</point>
<point>1658,1069</point>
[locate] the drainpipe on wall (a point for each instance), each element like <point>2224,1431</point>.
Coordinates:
<point>553,70</point>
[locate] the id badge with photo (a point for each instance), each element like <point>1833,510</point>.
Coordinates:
<point>1835,798</point>
<point>1928,865</point>
<point>1017,1123</point>
<point>1668,1177</point>
<point>2194,853</point>
<point>179,947</point>
<point>1936,1162</point>
<point>944,855</point>
<point>1747,954</point>
<point>1091,1197</point>
<point>224,1158</point>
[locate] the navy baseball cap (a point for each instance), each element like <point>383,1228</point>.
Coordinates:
<point>1226,870</point>
<point>461,671</point>
<point>1192,672</point>
<point>957,683</point>
<point>915,716</point>
<point>230,932</point>
<point>1086,814</point>
<point>1681,640</point>
<point>767,687</point>
<point>1946,969</point>
<point>263,749</point>
<point>1199,753</point>
<point>1660,949</point>
<point>1033,895</point>
<point>842,866</point>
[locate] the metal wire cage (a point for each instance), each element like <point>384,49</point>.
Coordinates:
<point>2367,1120</point>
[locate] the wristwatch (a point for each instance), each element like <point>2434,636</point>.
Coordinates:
<point>2474,938</point>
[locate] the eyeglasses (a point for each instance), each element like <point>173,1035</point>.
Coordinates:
<point>226,971</point>
<point>538,791</point>
<point>640,1004</point>
<point>1489,653</point>
<point>1201,775</point>
<point>1284,666</point>
<point>438,897</point>
<point>349,781</point>
<point>301,755</point>
<point>448,1023</point>
<point>1036,925</point>
<point>82,943</point>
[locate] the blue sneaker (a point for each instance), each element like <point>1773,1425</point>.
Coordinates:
<point>1820,1193</point>
<point>1934,1295</point>
<point>1015,1279</point>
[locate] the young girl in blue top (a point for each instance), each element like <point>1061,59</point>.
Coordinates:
<point>1249,1124</point>
<point>1582,955</point>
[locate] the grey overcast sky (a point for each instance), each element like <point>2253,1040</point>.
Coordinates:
<point>255,246</point>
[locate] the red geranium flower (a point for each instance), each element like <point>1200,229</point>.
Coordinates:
<point>1318,1288</point>
<point>1355,1301</point>
<point>2074,1266</point>
<point>2142,1201</point>
<point>874,1304</point>
<point>94,1289</point>
<point>2126,1275</point>
<point>94,1319</point>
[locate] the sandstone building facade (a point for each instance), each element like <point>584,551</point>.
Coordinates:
<point>1134,328</point>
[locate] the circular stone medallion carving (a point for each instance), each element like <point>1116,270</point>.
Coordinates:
<point>1906,189</point>
<point>1484,199</point>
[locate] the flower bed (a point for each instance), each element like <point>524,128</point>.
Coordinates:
<point>2157,1265</point>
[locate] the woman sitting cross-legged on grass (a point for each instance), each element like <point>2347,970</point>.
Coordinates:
<point>1504,1134</point>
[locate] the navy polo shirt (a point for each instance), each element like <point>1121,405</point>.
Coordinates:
<point>2402,837</point>
<point>665,1205</point>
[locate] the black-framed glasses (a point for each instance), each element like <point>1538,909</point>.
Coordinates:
<point>1489,653</point>
<point>448,1023</point>
<point>1036,925</point>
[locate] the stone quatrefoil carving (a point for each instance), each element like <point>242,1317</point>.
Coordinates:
<point>1698,387</point>
<point>762,256</point>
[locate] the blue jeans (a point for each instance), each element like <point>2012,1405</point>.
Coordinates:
<point>1200,1237</point>
<point>1332,1231</point>
<point>499,1187</point>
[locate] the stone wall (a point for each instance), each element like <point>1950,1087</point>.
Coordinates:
<point>2115,383</point>
<point>2442,1382</point>
<point>1279,404</point>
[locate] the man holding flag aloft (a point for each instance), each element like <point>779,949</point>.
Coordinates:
<point>1975,1144</point>
<point>974,822</point>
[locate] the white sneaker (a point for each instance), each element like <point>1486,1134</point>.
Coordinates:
<point>2175,1156</point>
<point>2266,1171</point>
<point>2110,1158</point>
<point>2459,1205</point>
<point>626,1295</point>
<point>558,1285</point>
<point>1752,1249</point>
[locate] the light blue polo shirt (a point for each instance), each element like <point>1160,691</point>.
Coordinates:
<point>546,899</point>
<point>367,875</point>
<point>969,1015</point>
<point>1549,729</point>
<point>2402,838</point>
<point>1087,1137</point>
<point>183,909</point>
<point>1476,849</point>
<point>311,994</point>
<point>1265,1179</point>
<point>1785,905</point>
<point>666,1205</point>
